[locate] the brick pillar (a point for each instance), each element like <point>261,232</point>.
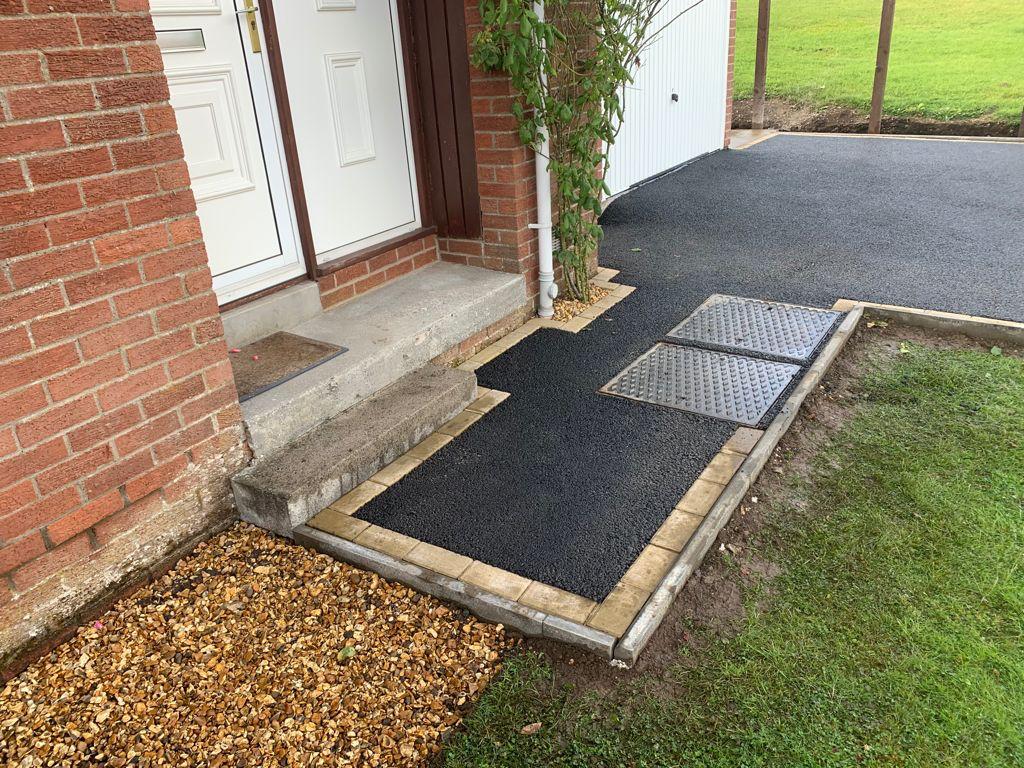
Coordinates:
<point>729,73</point>
<point>119,421</point>
<point>506,179</point>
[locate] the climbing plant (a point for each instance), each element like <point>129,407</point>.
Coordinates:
<point>587,51</point>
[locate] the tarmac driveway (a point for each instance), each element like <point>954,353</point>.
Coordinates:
<point>566,486</point>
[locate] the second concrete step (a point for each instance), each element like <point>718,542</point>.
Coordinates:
<point>288,487</point>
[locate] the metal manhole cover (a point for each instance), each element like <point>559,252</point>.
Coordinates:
<point>725,386</point>
<point>781,330</point>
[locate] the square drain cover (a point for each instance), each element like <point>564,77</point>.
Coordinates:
<point>725,386</point>
<point>770,328</point>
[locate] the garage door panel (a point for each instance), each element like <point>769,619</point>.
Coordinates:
<point>689,59</point>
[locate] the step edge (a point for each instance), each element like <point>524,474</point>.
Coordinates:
<point>311,398</point>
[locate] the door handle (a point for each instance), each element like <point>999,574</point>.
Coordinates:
<point>250,22</point>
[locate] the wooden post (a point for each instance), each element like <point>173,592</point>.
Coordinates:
<point>1020,131</point>
<point>881,65</point>
<point>760,65</point>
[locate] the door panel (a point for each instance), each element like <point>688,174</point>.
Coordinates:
<point>237,175</point>
<point>675,108</point>
<point>346,89</point>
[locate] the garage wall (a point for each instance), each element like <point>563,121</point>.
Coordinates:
<point>689,58</point>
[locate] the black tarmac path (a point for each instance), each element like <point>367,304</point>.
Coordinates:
<point>566,486</point>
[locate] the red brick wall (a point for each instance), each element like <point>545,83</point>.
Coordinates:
<point>119,421</point>
<point>729,73</point>
<point>506,178</point>
<point>373,272</point>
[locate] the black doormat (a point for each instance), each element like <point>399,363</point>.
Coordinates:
<point>275,359</point>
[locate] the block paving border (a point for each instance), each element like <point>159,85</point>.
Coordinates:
<point>621,625</point>
<point>533,607</point>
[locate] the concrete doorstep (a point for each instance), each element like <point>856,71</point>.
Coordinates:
<point>286,489</point>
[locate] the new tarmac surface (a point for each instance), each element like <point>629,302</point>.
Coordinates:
<point>566,486</point>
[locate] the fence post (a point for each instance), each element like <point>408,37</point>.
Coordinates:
<point>1020,132</point>
<point>881,65</point>
<point>760,64</point>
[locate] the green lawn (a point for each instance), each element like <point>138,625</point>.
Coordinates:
<point>893,637</point>
<point>950,58</point>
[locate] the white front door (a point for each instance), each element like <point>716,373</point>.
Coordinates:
<point>222,98</point>
<point>346,90</point>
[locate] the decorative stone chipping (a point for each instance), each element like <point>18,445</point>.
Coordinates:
<point>362,276</point>
<point>119,421</point>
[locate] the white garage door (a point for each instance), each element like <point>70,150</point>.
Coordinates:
<point>675,110</point>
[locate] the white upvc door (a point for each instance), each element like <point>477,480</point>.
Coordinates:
<point>347,95</point>
<point>223,100</point>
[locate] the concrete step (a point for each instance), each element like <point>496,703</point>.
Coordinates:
<point>389,332</point>
<point>287,488</point>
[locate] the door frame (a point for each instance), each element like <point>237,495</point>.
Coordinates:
<point>275,64</point>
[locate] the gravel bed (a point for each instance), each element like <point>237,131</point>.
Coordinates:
<point>254,651</point>
<point>566,309</point>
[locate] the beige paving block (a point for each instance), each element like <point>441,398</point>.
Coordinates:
<point>622,291</point>
<point>743,440</point>
<point>460,423</point>
<point>436,559</point>
<point>550,599</point>
<point>512,338</point>
<point>844,305</point>
<point>354,499</point>
<point>486,354</point>
<point>481,391</point>
<point>396,470</point>
<point>392,543</point>
<point>607,302</point>
<point>469,365</point>
<point>576,324</point>
<point>617,611</point>
<point>677,530</point>
<point>338,524</point>
<point>429,446</point>
<point>487,402</point>
<point>650,567</point>
<point>591,312</point>
<point>700,497</point>
<point>495,580</point>
<point>722,468</point>
<point>532,325</point>
<point>606,273</point>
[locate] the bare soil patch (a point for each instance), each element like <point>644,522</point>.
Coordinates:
<point>789,116</point>
<point>711,603</point>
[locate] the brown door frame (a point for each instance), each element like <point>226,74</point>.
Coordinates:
<point>272,50</point>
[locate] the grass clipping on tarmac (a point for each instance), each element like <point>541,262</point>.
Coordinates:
<point>253,651</point>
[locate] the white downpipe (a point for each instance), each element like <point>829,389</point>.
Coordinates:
<point>546,264</point>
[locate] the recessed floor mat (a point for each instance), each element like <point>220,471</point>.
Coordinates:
<point>770,328</point>
<point>276,358</point>
<point>717,384</point>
